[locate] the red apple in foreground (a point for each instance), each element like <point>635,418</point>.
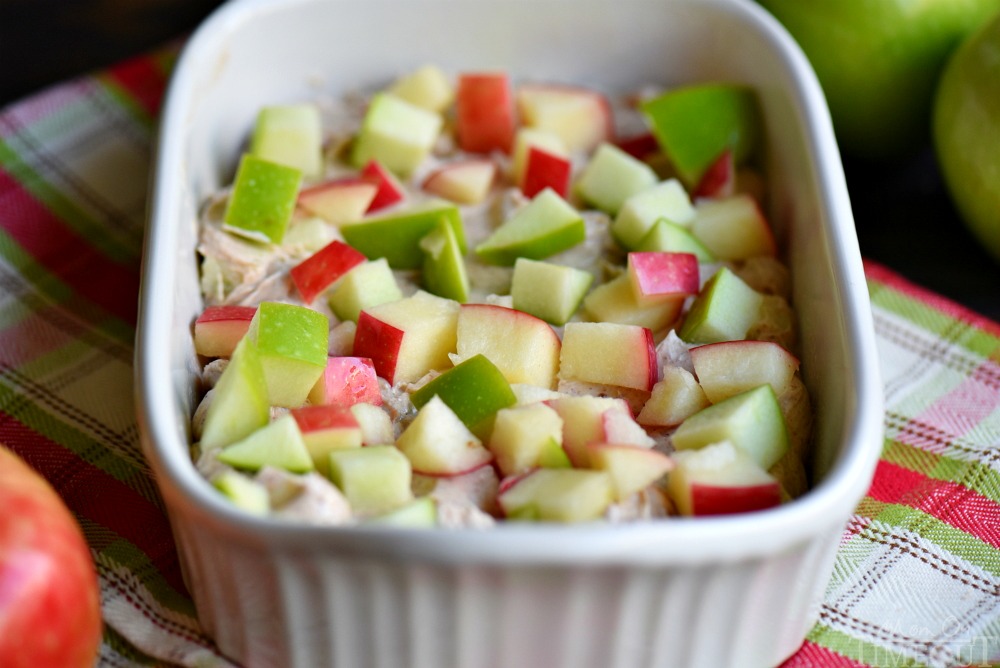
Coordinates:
<point>50,615</point>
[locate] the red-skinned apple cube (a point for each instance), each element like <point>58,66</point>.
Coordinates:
<point>640,146</point>
<point>525,139</point>
<point>463,182</point>
<point>720,480</point>
<point>219,328</point>
<point>583,423</point>
<point>484,112</point>
<point>409,337</point>
<point>658,275</point>
<point>326,428</point>
<point>615,301</point>
<point>437,442</point>
<point>609,354</point>
<point>632,468</point>
<point>546,170</point>
<point>320,270</point>
<point>580,116</point>
<point>719,180</point>
<point>523,347</point>
<point>730,367</point>
<point>389,190</point>
<point>347,381</point>
<point>338,201</point>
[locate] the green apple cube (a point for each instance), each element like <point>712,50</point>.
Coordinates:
<point>444,271</point>
<point>752,421</point>
<point>243,492</point>
<point>396,133</point>
<point>375,479</point>
<point>474,389</point>
<point>290,135</point>
<point>695,124</point>
<point>262,200</point>
<point>667,200</point>
<point>292,343</point>
<point>558,495</point>
<point>396,234</point>
<point>612,176</point>
<point>278,444</point>
<point>427,87</point>
<point>666,236</point>
<point>304,237</point>
<point>366,285</point>
<point>420,513</point>
<point>548,291</point>
<point>545,226</point>
<point>724,310</point>
<point>239,404</point>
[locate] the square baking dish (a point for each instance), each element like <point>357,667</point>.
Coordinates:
<point>728,591</point>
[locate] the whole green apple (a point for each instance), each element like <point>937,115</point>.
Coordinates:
<point>878,62</point>
<point>967,133</point>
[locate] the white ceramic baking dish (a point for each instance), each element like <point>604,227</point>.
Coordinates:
<point>733,591</point>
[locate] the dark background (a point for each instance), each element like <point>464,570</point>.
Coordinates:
<point>903,214</point>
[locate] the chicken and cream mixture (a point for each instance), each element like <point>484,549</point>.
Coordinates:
<point>550,137</point>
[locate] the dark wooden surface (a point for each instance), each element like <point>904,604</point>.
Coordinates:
<point>903,214</point>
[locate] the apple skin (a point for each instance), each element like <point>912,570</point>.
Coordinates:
<point>966,132</point>
<point>50,610</point>
<point>878,62</point>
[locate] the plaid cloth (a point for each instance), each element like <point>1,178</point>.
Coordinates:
<point>917,578</point>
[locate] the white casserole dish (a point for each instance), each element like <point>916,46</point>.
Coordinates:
<point>731,591</point>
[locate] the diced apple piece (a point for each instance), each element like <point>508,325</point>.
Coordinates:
<point>618,427</point>
<point>408,337</point>
<point>396,133</point>
<point>548,291</point>
<point>219,328</point>
<point>675,398</point>
<point>327,428</point>
<point>546,170</point>
<point>366,285</point>
<point>524,348</point>
<point>733,228</point>
<point>545,226</point>
<point>731,367</point>
<point>581,117</point>
<point>523,437</point>
<point>640,146</point>
<point>719,180</point>
<point>375,479</point>
<point>615,301</point>
<point>524,140</point>
<point>666,200</point>
<point>462,182</point>
<point>292,344</point>
<point>426,87</point>
<point>390,190</point>
<point>484,112</point>
<point>277,444</point>
<point>437,442</point>
<point>243,492</point>
<point>290,135</point>
<point>262,200</point>
<point>444,271</point>
<point>347,381</point>
<point>396,234</point>
<point>238,405</point>
<point>307,235</point>
<point>420,513</point>
<point>666,236</point>
<point>474,390</point>
<point>558,495</point>
<point>655,276</point>
<point>719,479</point>
<point>611,177</point>
<point>608,353</point>
<point>695,124</point>
<point>631,468</point>
<point>320,270</point>
<point>375,423</point>
<point>583,423</point>
<point>752,421</point>
<point>724,310</point>
<point>338,201</point>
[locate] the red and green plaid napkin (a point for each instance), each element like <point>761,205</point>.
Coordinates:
<point>917,578</point>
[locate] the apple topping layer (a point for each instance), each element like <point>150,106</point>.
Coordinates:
<point>461,299</point>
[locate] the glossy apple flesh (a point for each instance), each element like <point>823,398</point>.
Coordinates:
<point>375,423</point>
<point>548,291</point>
<point>426,87</point>
<point>474,389</point>
<point>666,200</point>
<point>238,405</point>
<point>719,479</point>
<point>367,284</point>
<point>733,228</point>
<point>278,444</point>
<point>262,200</point>
<point>616,301</point>
<point>463,182</point>
<point>656,276</point>
<point>559,495</point>
<point>545,226</point>
<point>50,613</point>
<point>375,479</point>
<point>313,275</point>
<point>219,328</point>
<point>395,233</point>
<point>731,367</point>
<point>583,423</point>
<point>527,437</point>
<point>339,201</point>
<point>675,397</point>
<point>608,354</point>
<point>632,468</point>
<point>347,380</point>
<point>437,442</point>
<point>290,135</point>
<point>524,348</point>
<point>396,133</point>
<point>581,117</point>
<point>611,177</point>
<point>484,112</point>
<point>291,343</point>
